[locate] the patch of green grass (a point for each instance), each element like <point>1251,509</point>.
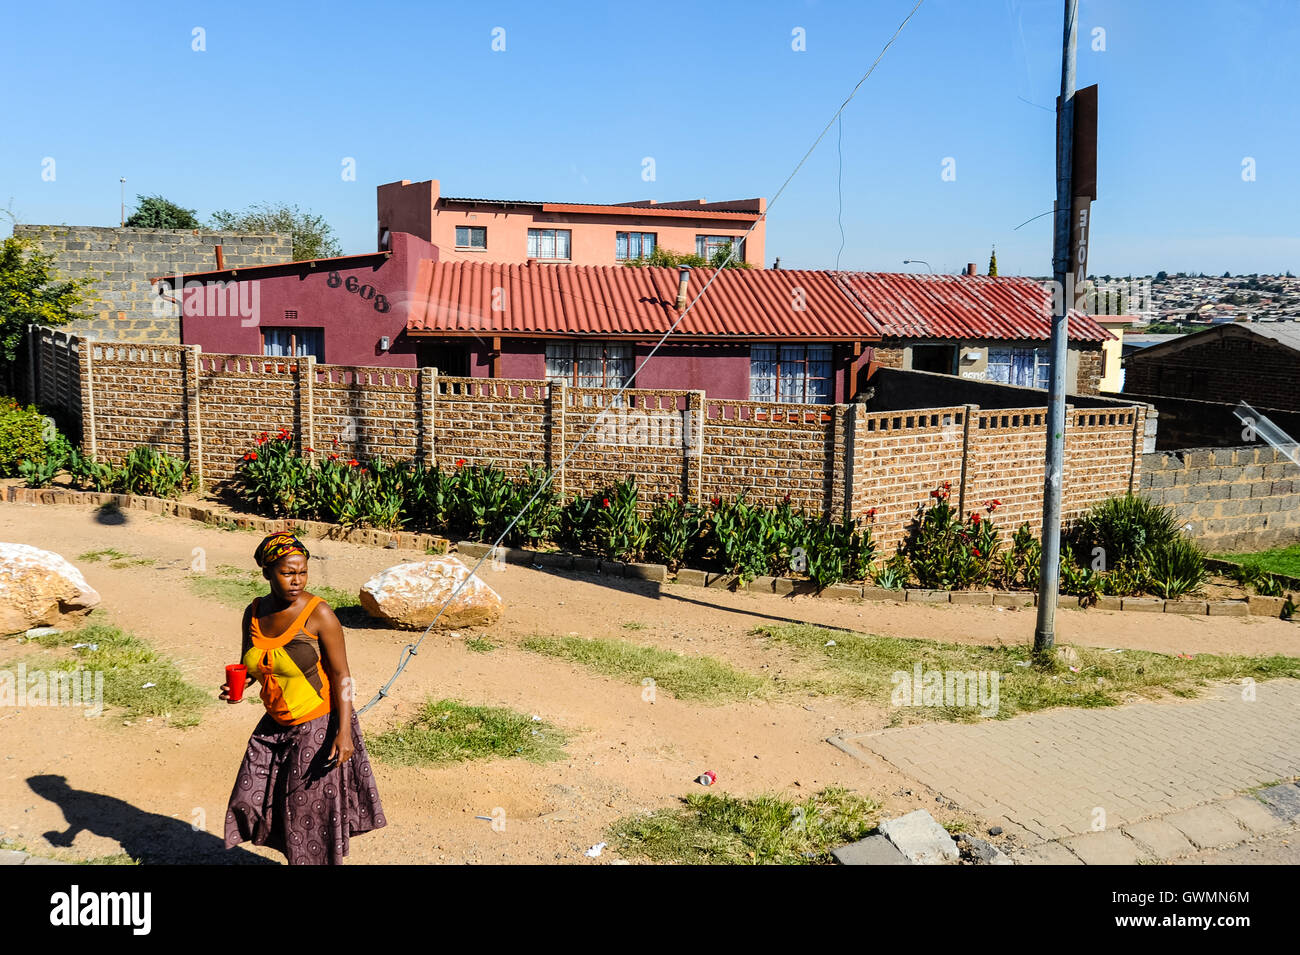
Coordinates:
<point>128,663</point>
<point>448,731</point>
<point>633,625</point>
<point>1282,560</point>
<point>700,679</point>
<point>957,825</point>
<point>717,829</point>
<point>863,666</point>
<point>110,553</point>
<point>119,858</point>
<point>479,645</point>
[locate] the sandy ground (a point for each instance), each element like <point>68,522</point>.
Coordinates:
<point>82,788</point>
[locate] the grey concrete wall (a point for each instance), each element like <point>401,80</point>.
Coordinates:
<point>123,261</point>
<point>1236,499</point>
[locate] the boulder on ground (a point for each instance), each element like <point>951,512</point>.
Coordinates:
<point>38,588</point>
<point>410,595</point>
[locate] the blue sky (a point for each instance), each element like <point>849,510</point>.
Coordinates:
<point>713,92</point>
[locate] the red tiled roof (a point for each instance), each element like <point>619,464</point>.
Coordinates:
<point>458,297</point>
<point>907,305</point>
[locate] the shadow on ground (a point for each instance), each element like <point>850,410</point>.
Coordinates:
<point>145,836</point>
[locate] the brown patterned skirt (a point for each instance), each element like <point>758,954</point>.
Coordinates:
<point>285,799</point>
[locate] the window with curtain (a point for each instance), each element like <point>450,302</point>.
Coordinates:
<point>471,237</point>
<point>590,364</point>
<point>633,245</point>
<point>790,373</point>
<point>1019,366</point>
<point>287,342</point>
<point>548,243</point>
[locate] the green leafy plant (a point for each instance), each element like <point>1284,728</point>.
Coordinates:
<point>675,530</point>
<point>948,553</point>
<point>41,472</point>
<point>620,533</point>
<point>151,472</point>
<point>1123,528</point>
<point>1252,574</point>
<point>838,551</point>
<point>87,474</point>
<point>894,574</point>
<point>1176,569</point>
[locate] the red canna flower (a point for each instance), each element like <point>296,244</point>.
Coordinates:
<point>311,450</point>
<point>354,463</point>
<point>250,456</point>
<point>333,457</point>
<point>786,499</point>
<point>871,513</point>
<point>976,550</point>
<point>460,462</point>
<point>715,501</point>
<point>975,517</point>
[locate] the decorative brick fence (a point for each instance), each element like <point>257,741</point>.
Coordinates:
<point>841,460</point>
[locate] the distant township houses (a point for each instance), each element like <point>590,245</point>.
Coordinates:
<point>430,296</point>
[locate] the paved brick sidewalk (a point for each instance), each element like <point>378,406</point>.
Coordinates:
<point>1046,775</point>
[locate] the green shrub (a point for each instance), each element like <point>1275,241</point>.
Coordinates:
<point>1123,528</point>
<point>619,532</point>
<point>87,474</point>
<point>151,472</point>
<point>676,527</point>
<point>837,551</point>
<point>894,574</point>
<point>577,523</point>
<point>40,473</point>
<point>1252,574</point>
<point>1176,568</point>
<point>539,518</point>
<point>22,436</point>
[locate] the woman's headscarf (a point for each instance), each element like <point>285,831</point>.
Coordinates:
<point>275,546</point>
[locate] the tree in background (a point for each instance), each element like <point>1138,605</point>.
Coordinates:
<point>155,212</point>
<point>32,293</point>
<point>313,238</point>
<point>993,261</point>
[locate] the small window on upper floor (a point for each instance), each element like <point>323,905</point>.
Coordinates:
<point>471,237</point>
<point>548,243</point>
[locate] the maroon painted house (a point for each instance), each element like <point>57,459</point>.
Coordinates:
<point>764,334</point>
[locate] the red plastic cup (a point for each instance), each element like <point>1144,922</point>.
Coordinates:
<point>236,678</point>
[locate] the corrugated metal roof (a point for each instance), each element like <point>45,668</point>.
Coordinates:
<point>907,305</point>
<point>1288,333</point>
<point>454,297</point>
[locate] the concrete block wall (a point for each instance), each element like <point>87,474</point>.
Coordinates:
<point>123,261</point>
<point>1234,499</point>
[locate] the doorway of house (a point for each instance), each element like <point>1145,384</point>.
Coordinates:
<point>940,358</point>
<point>449,358</point>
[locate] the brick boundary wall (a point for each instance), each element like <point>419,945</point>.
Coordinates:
<point>842,460</point>
<point>1235,499</point>
<point>122,261</point>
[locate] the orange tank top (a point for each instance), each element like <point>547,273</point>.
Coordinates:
<point>295,688</point>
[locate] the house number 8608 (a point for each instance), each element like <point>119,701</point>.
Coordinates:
<point>367,292</point>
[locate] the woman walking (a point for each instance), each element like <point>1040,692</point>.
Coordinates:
<point>304,788</point>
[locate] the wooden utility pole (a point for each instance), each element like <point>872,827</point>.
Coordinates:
<point>1062,300</point>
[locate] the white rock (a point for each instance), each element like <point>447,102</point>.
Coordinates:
<point>409,595</point>
<point>920,838</point>
<point>38,588</point>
